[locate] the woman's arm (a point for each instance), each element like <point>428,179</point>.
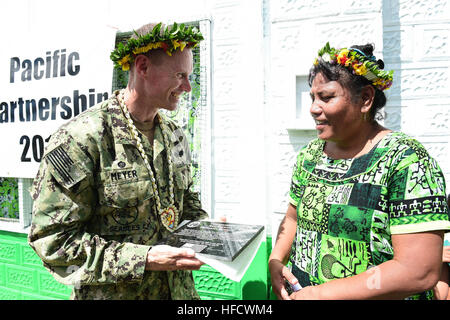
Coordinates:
<point>285,236</point>
<point>415,268</point>
<point>280,253</point>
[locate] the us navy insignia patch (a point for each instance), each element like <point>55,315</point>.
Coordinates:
<point>65,170</point>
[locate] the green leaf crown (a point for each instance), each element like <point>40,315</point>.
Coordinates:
<point>357,63</point>
<point>169,39</point>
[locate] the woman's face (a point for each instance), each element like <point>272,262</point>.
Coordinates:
<point>337,117</point>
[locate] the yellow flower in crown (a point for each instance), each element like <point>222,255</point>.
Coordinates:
<point>124,60</point>
<point>383,83</point>
<point>342,57</point>
<point>175,44</point>
<point>350,61</point>
<point>378,82</point>
<point>360,69</point>
<point>141,50</point>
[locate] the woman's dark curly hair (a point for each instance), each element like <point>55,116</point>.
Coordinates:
<point>353,82</point>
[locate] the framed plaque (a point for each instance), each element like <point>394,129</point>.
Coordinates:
<point>219,240</point>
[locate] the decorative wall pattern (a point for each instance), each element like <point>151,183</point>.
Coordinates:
<point>22,275</point>
<point>425,81</point>
<point>356,30</point>
<point>226,56</point>
<point>208,281</point>
<point>406,11</point>
<point>303,9</point>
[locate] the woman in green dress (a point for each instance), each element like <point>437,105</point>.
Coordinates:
<point>367,208</point>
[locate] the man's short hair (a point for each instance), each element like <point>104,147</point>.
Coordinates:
<point>145,29</point>
<point>154,55</point>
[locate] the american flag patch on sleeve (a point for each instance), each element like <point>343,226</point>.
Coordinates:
<point>65,170</point>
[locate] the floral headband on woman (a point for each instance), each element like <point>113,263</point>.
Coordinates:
<point>358,63</point>
<point>169,39</point>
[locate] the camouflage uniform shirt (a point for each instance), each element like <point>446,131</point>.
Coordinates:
<point>94,217</point>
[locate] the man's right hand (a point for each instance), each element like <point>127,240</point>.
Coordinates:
<point>167,258</point>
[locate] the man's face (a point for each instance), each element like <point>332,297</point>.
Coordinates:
<point>169,79</point>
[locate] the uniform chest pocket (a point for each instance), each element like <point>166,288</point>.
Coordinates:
<point>126,194</point>
<point>124,208</point>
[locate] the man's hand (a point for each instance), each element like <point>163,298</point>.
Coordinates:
<point>167,258</point>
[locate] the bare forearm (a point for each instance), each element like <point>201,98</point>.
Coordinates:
<point>285,236</point>
<point>415,268</point>
<point>390,280</point>
<point>280,254</point>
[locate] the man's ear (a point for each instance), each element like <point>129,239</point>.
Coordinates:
<point>367,97</point>
<point>141,65</point>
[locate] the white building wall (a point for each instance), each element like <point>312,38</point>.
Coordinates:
<point>238,120</point>
<point>416,45</point>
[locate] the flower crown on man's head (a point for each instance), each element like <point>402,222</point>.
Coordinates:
<point>169,39</point>
<point>358,63</point>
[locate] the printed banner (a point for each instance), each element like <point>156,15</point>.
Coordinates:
<point>44,82</point>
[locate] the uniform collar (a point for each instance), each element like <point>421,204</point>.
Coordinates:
<point>119,126</point>
<point>122,133</point>
<point>158,140</point>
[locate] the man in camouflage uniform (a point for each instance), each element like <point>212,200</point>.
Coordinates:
<point>94,220</point>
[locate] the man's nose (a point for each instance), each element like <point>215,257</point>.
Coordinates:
<point>187,85</point>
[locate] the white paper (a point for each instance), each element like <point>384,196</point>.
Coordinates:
<point>235,269</point>
<point>447,239</point>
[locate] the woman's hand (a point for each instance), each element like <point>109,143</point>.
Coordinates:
<point>279,274</point>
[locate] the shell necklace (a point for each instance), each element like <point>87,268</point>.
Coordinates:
<point>169,215</point>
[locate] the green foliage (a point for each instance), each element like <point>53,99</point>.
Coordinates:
<point>9,195</point>
<point>181,33</point>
